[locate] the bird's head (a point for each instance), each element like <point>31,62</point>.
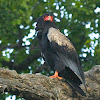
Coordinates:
<point>44,20</point>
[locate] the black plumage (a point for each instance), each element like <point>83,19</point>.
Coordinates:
<point>59,52</point>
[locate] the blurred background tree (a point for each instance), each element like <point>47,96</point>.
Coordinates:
<point>77,19</point>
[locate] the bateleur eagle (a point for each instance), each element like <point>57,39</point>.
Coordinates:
<point>59,53</point>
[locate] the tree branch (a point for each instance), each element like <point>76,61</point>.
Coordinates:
<point>40,87</point>
<point>23,65</point>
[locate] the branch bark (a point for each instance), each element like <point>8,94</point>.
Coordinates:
<point>40,87</point>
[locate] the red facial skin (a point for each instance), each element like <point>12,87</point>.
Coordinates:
<point>48,18</point>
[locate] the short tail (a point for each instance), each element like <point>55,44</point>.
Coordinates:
<point>76,87</point>
<point>72,79</point>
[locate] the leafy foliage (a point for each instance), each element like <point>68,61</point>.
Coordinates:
<point>79,19</point>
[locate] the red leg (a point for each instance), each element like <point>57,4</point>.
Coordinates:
<point>56,75</point>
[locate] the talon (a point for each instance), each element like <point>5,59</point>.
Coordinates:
<point>56,75</point>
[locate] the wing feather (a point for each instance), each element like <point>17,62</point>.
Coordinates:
<point>65,51</point>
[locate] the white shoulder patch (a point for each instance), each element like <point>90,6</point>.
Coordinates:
<point>50,34</point>
<point>56,36</point>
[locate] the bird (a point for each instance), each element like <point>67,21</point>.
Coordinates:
<point>59,53</point>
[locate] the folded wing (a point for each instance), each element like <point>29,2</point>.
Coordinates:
<point>65,51</point>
